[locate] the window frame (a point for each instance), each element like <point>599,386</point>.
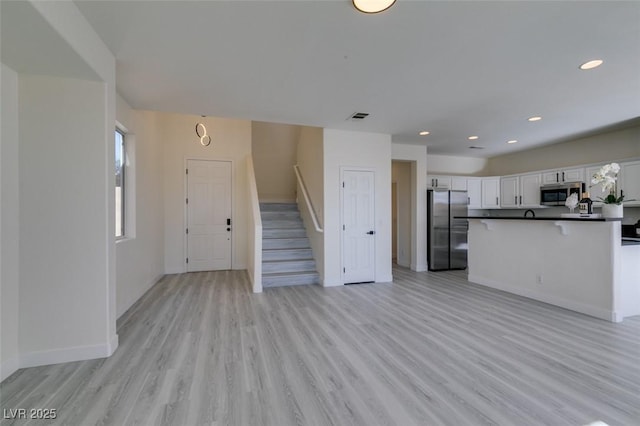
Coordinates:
<point>122,232</point>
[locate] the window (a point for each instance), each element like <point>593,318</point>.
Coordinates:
<point>120,183</point>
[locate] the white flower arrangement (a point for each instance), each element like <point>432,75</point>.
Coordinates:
<point>607,177</point>
<point>572,201</point>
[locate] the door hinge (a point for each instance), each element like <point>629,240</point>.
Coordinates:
<point>187,171</point>
<point>187,201</point>
<point>187,260</point>
<point>344,270</point>
<point>343,227</point>
<point>343,184</point>
<point>187,231</point>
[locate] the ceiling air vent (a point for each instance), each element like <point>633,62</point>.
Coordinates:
<point>476,147</point>
<point>357,116</point>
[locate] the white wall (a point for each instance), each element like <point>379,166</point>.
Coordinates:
<point>140,256</point>
<point>605,147</point>
<point>453,165</point>
<point>9,223</point>
<point>62,253</point>
<point>343,149</point>
<point>274,155</point>
<point>231,140</point>
<point>417,156</point>
<point>63,246</point>
<point>310,162</point>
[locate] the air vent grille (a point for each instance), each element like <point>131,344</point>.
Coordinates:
<point>476,147</point>
<point>357,116</point>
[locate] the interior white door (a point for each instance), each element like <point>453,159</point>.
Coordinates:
<point>358,226</point>
<point>208,215</point>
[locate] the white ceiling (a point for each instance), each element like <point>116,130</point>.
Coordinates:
<point>453,68</point>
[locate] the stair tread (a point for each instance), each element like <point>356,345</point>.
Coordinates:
<point>289,274</point>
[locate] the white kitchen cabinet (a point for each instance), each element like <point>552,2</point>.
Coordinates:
<point>491,193</point>
<point>458,183</point>
<point>520,191</point>
<point>509,192</point>
<point>474,192</point>
<point>438,182</point>
<point>629,182</point>
<point>529,187</point>
<point>563,175</point>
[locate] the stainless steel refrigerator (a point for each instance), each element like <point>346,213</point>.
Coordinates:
<point>447,236</point>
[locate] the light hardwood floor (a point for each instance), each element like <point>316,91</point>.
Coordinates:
<point>429,349</point>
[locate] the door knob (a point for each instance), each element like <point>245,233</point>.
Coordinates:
<point>371,232</point>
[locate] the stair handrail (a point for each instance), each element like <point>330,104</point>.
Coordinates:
<point>307,199</point>
<point>255,224</point>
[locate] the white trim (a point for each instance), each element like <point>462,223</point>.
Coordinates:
<point>593,311</point>
<point>404,264</point>
<point>78,353</point>
<point>172,271</point>
<point>421,267</point>
<point>9,367</point>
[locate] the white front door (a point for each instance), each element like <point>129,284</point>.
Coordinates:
<point>208,215</point>
<point>358,226</point>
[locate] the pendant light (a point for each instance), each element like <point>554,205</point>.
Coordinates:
<point>372,6</point>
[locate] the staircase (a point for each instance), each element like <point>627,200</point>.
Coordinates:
<point>286,254</point>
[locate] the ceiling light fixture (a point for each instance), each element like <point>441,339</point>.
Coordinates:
<point>512,141</point>
<point>472,138</point>
<point>423,133</point>
<point>201,131</point>
<point>591,64</point>
<point>536,118</point>
<point>372,6</point>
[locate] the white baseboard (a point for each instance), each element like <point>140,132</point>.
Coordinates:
<point>9,367</point>
<point>78,353</point>
<point>403,264</point>
<point>332,284</point>
<point>177,270</point>
<point>418,267</point>
<point>385,279</point>
<point>593,311</point>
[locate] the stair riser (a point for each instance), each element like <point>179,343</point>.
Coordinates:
<point>289,266</point>
<point>284,233</point>
<point>289,280</point>
<point>285,243</point>
<point>278,207</point>
<point>280,215</point>
<point>270,224</point>
<point>295,254</point>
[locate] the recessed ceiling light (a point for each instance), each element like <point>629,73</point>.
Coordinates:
<point>472,138</point>
<point>512,141</point>
<point>423,133</point>
<point>536,118</point>
<point>591,64</point>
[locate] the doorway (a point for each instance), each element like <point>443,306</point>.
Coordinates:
<point>209,215</point>
<point>358,226</point>
<point>402,205</point>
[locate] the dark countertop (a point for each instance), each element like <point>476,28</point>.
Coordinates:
<point>580,219</point>
<point>630,241</point>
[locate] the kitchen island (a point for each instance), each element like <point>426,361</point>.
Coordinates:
<point>578,264</point>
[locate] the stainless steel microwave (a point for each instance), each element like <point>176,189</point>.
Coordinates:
<point>557,194</point>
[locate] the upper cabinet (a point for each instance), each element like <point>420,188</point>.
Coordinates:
<point>474,192</point>
<point>438,182</point>
<point>520,191</point>
<point>491,193</point>
<point>629,182</point>
<point>563,175</point>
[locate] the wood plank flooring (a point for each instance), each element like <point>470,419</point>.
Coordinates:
<point>428,349</point>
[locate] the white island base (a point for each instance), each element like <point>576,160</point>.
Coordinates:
<point>579,265</point>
